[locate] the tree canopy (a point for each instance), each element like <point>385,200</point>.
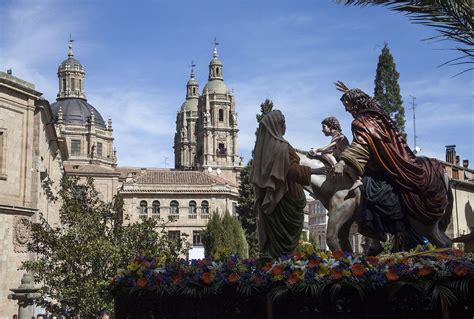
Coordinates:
<point>387,89</point>
<point>75,261</point>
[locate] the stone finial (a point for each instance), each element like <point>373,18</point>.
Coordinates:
<point>216,55</point>
<point>70,53</point>
<point>192,70</point>
<point>109,123</point>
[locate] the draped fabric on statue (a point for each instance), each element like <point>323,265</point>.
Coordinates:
<point>283,227</point>
<point>270,161</point>
<point>419,180</point>
<point>279,198</point>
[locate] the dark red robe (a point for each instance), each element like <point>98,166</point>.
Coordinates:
<point>419,179</point>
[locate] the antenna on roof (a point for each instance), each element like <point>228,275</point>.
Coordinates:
<point>416,148</point>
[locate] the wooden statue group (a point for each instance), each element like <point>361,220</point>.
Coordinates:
<point>375,181</point>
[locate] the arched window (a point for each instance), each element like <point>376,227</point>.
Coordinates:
<point>155,209</point>
<point>143,209</point>
<point>192,210</point>
<point>174,208</point>
<point>194,90</point>
<point>217,71</point>
<point>221,115</point>
<point>205,209</point>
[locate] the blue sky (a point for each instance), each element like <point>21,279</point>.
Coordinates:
<point>137,56</point>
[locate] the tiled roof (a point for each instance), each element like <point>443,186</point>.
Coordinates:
<point>89,169</point>
<point>176,178</point>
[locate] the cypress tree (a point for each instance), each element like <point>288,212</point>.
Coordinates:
<point>224,236</point>
<point>246,201</point>
<point>387,90</point>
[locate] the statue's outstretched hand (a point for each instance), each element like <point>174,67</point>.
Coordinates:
<point>339,168</point>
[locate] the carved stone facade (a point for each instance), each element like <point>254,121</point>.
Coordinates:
<point>30,167</point>
<point>22,233</point>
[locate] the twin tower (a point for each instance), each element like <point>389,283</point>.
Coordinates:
<point>206,126</point>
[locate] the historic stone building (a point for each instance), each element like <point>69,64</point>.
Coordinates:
<point>31,156</point>
<point>206,127</point>
<point>462,185</point>
<point>88,137</point>
<point>207,167</point>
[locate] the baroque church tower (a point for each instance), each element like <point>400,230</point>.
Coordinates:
<point>88,138</point>
<point>186,130</point>
<point>206,127</point>
<point>217,125</point>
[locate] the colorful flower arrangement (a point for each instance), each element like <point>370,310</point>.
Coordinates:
<point>303,268</point>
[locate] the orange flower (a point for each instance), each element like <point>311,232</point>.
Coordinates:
<point>458,252</point>
<point>297,255</point>
<point>267,267</point>
<point>392,275</point>
<point>176,279</point>
<point>338,254</point>
<point>142,282</point>
<point>358,270</point>
<point>336,273</point>
<point>461,271</point>
<point>425,271</point>
<point>441,257</point>
<point>374,260</point>
<point>207,278</point>
<point>293,279</point>
<point>313,263</point>
<point>233,278</point>
<point>277,270</point>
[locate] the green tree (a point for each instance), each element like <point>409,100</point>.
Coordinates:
<point>452,19</point>
<point>76,261</point>
<point>387,90</point>
<point>224,236</point>
<point>246,202</point>
<point>312,240</point>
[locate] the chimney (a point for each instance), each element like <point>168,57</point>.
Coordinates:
<point>458,160</point>
<point>465,163</point>
<point>450,153</point>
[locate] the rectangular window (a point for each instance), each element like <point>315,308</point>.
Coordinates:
<point>197,238</point>
<point>75,147</point>
<point>99,149</point>
<point>64,84</point>
<point>73,84</point>
<point>222,150</point>
<point>221,115</point>
<point>80,85</point>
<point>234,209</point>
<point>173,235</point>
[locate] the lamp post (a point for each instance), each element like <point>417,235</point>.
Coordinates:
<point>26,294</point>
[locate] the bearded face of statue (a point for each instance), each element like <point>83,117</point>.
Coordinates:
<point>349,106</point>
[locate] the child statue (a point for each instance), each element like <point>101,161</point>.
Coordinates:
<point>339,142</point>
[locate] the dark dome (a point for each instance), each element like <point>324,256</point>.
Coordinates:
<point>70,63</point>
<point>77,111</point>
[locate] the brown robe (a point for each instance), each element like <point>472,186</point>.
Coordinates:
<point>419,179</point>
